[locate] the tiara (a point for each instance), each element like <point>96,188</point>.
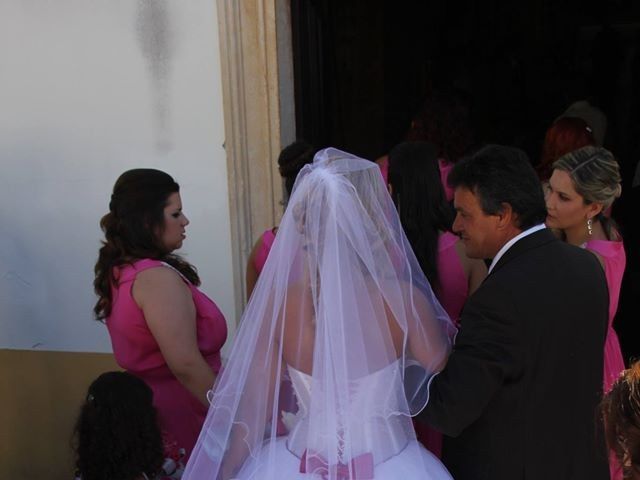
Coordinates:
<point>585,163</point>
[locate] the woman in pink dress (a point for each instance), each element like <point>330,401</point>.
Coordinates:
<point>163,329</point>
<point>290,162</point>
<point>583,185</point>
<point>426,216</point>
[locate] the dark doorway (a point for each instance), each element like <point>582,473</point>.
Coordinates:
<point>363,68</point>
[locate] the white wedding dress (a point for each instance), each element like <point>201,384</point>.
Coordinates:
<point>343,300</point>
<point>381,439</point>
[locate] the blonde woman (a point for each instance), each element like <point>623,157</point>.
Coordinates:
<point>583,185</point>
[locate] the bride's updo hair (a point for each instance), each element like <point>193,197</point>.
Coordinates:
<point>291,160</point>
<point>596,177</point>
<point>132,230</point>
<point>334,176</point>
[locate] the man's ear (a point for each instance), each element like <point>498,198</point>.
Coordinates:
<point>506,217</point>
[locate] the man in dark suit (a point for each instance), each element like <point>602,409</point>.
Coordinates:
<point>517,398</point>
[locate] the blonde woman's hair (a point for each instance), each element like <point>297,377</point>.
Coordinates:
<point>596,177</point>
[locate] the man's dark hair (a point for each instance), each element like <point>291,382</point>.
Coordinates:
<point>499,175</point>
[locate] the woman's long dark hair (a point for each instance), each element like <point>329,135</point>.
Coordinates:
<point>132,229</point>
<point>117,434</point>
<point>417,192</point>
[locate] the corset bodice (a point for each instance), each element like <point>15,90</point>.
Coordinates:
<point>370,417</point>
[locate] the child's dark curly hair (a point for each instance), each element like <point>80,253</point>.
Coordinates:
<point>620,409</point>
<point>117,434</point>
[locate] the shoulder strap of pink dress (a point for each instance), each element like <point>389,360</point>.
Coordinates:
<point>606,248</point>
<point>446,240</point>
<point>268,237</point>
<point>128,272</point>
<point>384,169</point>
<point>445,169</point>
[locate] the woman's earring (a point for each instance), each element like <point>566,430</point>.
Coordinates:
<point>589,226</point>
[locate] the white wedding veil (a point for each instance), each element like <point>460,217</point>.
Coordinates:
<point>338,342</point>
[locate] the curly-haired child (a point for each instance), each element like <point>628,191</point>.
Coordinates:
<point>117,435</point>
<point>621,414</point>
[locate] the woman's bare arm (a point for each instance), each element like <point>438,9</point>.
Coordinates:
<point>170,313</point>
<point>426,335</point>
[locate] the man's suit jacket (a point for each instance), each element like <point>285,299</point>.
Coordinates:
<point>518,396</point>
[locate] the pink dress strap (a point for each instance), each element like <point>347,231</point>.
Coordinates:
<point>384,169</point>
<point>446,241</point>
<point>266,242</point>
<point>454,288</point>
<point>445,169</point>
<point>128,271</point>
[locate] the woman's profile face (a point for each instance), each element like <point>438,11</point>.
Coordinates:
<point>173,231</point>
<point>566,208</point>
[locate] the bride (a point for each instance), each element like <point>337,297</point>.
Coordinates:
<point>339,335</point>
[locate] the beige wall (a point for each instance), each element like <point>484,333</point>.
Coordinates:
<point>41,393</point>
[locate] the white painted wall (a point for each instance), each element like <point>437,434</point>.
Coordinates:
<point>88,89</point>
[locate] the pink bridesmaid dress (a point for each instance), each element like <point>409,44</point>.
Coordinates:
<point>384,169</point>
<point>266,242</point>
<point>445,169</point>
<point>180,414</point>
<point>452,292</point>
<point>454,287</point>
<point>287,402</point>
<point>614,259</point>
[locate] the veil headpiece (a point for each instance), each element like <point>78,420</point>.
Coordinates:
<point>337,343</point>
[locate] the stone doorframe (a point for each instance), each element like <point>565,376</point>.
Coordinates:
<point>259,118</point>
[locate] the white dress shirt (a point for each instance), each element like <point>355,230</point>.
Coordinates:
<point>510,243</point>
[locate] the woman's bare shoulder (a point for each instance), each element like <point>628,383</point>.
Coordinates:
<point>160,274</point>
<point>160,283</point>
